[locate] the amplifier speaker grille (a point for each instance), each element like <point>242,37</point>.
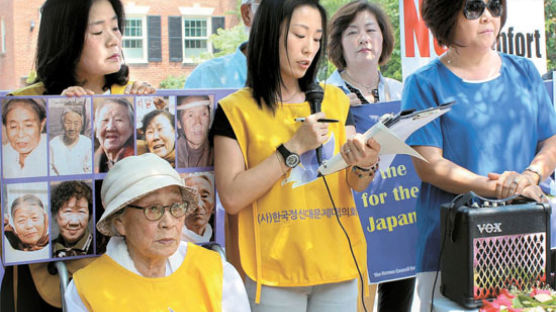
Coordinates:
<point>487,249</point>
<point>504,261</point>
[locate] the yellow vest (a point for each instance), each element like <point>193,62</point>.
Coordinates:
<point>290,235</point>
<point>196,286</point>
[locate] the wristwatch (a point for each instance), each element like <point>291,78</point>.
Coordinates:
<point>291,159</point>
<point>536,171</point>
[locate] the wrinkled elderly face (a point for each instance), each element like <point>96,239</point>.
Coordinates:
<point>73,218</point>
<point>195,121</point>
<point>160,136</point>
<point>199,218</point>
<point>113,126</point>
<point>151,239</point>
<point>23,127</point>
<point>29,222</point>
<point>73,123</point>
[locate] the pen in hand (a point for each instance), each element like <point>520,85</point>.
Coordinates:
<point>302,119</point>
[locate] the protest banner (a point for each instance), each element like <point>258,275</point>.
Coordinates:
<point>387,208</point>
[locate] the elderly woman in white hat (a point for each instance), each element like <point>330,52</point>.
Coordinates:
<point>146,267</point>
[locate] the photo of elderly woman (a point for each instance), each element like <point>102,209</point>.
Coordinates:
<point>72,209</point>
<point>70,150</point>
<point>158,135</point>
<point>23,122</point>
<point>199,225</point>
<point>113,123</point>
<point>26,234</point>
<point>194,117</point>
<point>146,104</point>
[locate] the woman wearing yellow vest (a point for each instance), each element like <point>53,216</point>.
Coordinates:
<point>146,266</point>
<point>76,56</point>
<point>291,246</point>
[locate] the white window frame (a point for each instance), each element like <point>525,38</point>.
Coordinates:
<point>195,12</point>
<point>144,38</point>
<point>2,36</point>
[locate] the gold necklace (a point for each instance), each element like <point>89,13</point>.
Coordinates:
<point>358,85</point>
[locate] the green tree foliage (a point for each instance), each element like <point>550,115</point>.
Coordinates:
<point>550,27</point>
<point>172,82</point>
<point>226,41</point>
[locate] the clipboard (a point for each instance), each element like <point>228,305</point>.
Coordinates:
<point>390,132</point>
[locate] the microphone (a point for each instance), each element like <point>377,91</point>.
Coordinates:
<point>314,95</point>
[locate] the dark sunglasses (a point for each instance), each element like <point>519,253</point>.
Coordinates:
<point>475,8</point>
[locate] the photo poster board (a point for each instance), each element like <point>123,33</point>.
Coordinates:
<point>34,134</point>
<point>387,207</point>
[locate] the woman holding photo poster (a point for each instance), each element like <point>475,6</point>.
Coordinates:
<point>79,53</point>
<point>292,247</point>
<point>361,39</point>
<point>499,139</point>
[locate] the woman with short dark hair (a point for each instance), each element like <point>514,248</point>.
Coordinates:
<point>361,40</point>
<point>159,135</point>
<point>499,139</point>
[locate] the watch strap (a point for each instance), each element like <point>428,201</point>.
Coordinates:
<point>291,159</point>
<point>536,171</point>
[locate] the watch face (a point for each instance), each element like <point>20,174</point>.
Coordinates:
<point>292,160</point>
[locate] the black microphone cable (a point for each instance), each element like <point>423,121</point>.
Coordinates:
<point>314,95</point>
<point>349,243</point>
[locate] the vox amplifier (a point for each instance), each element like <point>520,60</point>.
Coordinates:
<point>489,246</point>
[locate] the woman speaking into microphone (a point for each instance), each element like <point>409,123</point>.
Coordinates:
<point>291,247</point>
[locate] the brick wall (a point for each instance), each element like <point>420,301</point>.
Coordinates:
<point>18,60</point>
<point>21,41</point>
<point>155,72</point>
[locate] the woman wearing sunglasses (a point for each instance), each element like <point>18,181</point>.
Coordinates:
<point>499,139</point>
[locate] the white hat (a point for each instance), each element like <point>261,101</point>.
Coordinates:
<point>134,177</point>
<point>245,1</point>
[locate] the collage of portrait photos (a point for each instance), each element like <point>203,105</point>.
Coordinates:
<point>57,150</point>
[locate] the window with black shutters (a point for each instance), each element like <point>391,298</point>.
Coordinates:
<point>154,39</point>
<point>217,23</point>
<point>175,38</point>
